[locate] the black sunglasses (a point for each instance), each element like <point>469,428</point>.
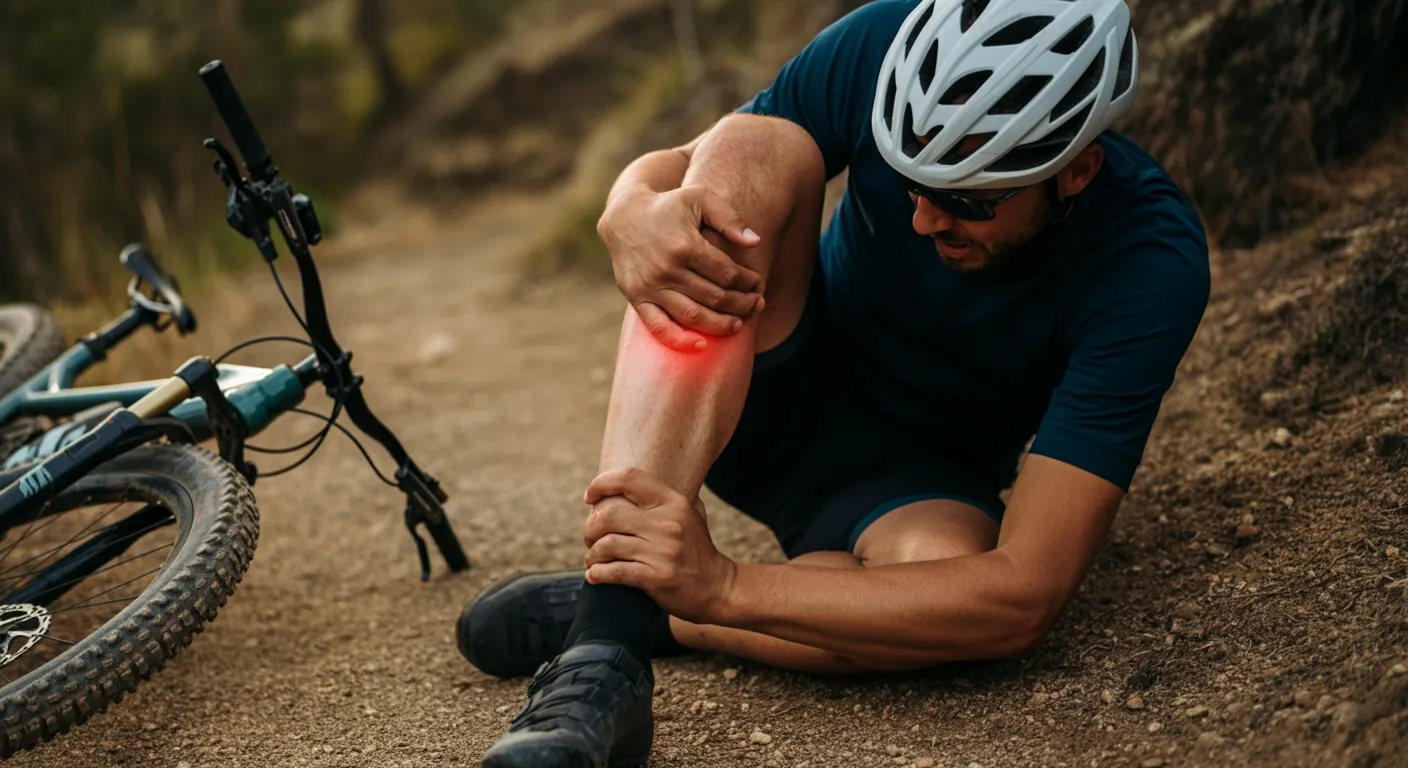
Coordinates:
<point>962,206</point>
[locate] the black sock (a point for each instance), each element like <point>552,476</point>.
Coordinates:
<point>665,643</point>
<point>619,614</point>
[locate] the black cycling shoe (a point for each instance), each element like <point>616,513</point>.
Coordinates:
<point>588,708</point>
<point>520,622</point>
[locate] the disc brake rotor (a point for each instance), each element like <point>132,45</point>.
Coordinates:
<point>21,626</point>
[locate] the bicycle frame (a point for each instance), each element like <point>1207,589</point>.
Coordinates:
<point>260,394</point>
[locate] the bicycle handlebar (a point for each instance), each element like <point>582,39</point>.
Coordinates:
<point>237,120</point>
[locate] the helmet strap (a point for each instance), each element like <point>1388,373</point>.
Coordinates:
<point>1062,207</point>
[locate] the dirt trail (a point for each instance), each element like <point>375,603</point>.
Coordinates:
<point>332,653</point>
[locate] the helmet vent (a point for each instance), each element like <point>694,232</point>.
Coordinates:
<point>972,9</point>
<point>926,69</point>
<point>918,27</point>
<point>1021,95</point>
<point>1039,153</point>
<point>1125,77</point>
<point>889,110</point>
<point>1018,32</point>
<point>1085,86</point>
<point>912,144</point>
<point>966,86</point>
<point>1075,38</point>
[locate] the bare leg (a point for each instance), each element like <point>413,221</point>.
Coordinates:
<point>672,412</point>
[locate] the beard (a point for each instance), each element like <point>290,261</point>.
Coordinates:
<point>991,256</point>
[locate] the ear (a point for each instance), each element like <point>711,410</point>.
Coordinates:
<point>1078,174</point>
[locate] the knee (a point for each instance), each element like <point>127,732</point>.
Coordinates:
<point>917,548</point>
<point>777,150</point>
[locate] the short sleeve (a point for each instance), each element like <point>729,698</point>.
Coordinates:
<point>1127,345</point>
<point>829,87</point>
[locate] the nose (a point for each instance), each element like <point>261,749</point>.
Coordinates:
<point>929,220</point>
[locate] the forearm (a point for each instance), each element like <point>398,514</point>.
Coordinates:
<point>912,614</point>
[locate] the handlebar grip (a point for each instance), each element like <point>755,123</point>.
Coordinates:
<point>141,263</point>
<point>237,120</point>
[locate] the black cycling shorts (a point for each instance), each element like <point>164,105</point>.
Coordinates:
<point>815,464</point>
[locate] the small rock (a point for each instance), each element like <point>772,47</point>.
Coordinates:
<point>436,347</point>
<point>1155,727</point>
<point>758,737</point>
<point>892,750</point>
<point>1247,532</point>
<point>1248,518</point>
<point>502,708</point>
<point>1304,698</point>
<point>1391,551</point>
<point>1198,711</point>
<point>149,726</point>
<point>1107,696</point>
<point>1154,762</point>
<point>183,764</point>
<point>924,762</point>
<point>1281,438</point>
<point>1217,550</point>
<point>1135,702</point>
<point>1188,610</point>
<point>730,674</point>
<point>974,765</point>
<point>327,749</point>
<point>1272,398</point>
<point>1385,410</point>
<point>1397,669</point>
<point>1209,739</point>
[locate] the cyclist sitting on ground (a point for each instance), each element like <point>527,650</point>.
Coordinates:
<point>1003,268</point>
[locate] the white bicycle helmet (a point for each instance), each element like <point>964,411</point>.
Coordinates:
<point>1040,79</point>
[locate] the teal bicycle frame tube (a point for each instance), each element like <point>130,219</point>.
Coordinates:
<point>260,394</point>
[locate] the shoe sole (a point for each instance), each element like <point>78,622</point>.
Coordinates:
<point>516,750</point>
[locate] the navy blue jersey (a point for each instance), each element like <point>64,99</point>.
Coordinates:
<point>1077,346</point>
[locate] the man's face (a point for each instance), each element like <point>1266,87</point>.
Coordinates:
<point>972,246</point>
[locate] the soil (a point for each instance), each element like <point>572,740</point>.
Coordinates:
<point>1249,607</point>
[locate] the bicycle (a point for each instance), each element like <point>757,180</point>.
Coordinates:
<point>133,446</point>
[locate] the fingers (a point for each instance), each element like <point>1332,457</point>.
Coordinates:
<point>693,316</point>
<point>641,488</point>
<point>666,330</point>
<point>722,217</point>
<point>624,572</point>
<point>620,516</point>
<point>711,261</point>
<point>616,546</point>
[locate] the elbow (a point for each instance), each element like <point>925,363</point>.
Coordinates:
<point>1027,630</point>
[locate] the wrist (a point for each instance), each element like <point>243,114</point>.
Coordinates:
<point>736,599</point>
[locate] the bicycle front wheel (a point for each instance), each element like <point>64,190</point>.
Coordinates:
<point>110,580</point>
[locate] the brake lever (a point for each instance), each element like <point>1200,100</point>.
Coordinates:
<point>223,418</point>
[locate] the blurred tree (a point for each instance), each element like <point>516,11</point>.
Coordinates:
<point>371,29</point>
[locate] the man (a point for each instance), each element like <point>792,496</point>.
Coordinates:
<point>1002,267</point>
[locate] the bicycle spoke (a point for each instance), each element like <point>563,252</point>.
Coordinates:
<point>28,529</point>
<point>104,592</point>
<point>57,639</point>
<point>105,602</point>
<point>113,565</point>
<point>99,519</point>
